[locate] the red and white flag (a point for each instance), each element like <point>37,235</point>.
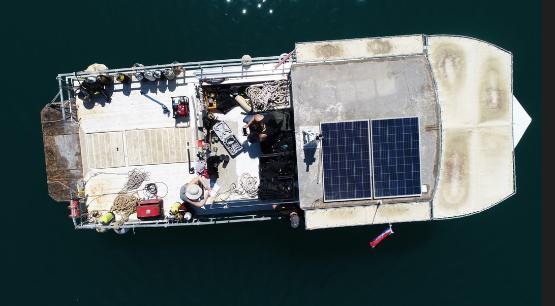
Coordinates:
<point>381,237</point>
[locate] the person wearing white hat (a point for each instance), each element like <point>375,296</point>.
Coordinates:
<point>196,192</point>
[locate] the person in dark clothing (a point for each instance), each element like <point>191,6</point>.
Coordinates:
<point>262,127</point>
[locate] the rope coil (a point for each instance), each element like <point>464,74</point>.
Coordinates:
<point>124,205</point>
<point>270,95</point>
<point>248,185</point>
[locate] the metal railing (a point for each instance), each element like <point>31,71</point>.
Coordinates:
<point>198,71</point>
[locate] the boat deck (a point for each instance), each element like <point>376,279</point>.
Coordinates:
<point>133,132</point>
<point>376,87</point>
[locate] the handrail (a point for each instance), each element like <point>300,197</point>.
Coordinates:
<point>189,65</point>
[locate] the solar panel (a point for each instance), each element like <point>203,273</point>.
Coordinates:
<point>396,157</point>
<point>346,161</point>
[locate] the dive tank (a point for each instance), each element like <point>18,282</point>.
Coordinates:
<point>245,105</point>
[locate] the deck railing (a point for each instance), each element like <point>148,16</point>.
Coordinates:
<point>201,70</point>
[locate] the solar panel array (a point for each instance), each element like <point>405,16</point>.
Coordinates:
<point>396,158</point>
<point>346,160</point>
<point>346,149</point>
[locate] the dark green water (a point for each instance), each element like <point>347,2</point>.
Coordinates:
<point>492,258</point>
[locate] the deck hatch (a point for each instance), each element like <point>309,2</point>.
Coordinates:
<point>346,161</point>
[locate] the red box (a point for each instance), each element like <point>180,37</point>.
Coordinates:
<point>149,209</point>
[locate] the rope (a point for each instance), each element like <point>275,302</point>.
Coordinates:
<point>126,201</point>
<point>270,95</point>
<point>248,186</point>
<point>135,178</point>
<point>124,205</point>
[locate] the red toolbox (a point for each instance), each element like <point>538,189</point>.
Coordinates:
<point>149,209</point>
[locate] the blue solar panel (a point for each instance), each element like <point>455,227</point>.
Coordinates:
<point>346,161</point>
<point>396,157</point>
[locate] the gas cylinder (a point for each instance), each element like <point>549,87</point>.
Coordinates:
<point>74,208</point>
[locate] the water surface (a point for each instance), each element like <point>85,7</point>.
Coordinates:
<point>490,258</point>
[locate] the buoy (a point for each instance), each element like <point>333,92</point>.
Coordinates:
<point>107,218</point>
<point>157,74</point>
<point>121,230</point>
<point>245,105</point>
<point>149,75</point>
<point>246,60</point>
<point>96,67</point>
<point>104,80</point>
<point>177,69</point>
<point>139,71</point>
<point>174,209</point>
<point>123,78</point>
<point>101,230</point>
<point>169,74</point>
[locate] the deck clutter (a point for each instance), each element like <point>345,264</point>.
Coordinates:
<point>236,174</point>
<point>335,133</point>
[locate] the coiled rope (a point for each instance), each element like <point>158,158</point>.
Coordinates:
<point>124,205</point>
<point>248,186</point>
<point>270,95</point>
<point>135,178</point>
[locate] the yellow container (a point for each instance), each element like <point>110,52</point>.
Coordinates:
<point>174,209</point>
<point>107,218</point>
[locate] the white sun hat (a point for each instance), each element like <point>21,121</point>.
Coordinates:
<point>192,192</point>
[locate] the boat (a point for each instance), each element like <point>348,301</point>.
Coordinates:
<point>334,133</point>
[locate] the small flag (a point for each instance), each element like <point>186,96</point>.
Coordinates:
<point>381,237</point>
<point>284,59</point>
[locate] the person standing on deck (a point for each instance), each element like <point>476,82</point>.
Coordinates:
<point>262,127</point>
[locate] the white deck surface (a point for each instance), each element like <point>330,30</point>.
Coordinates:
<point>359,48</point>
<point>132,131</point>
<point>366,215</point>
<point>474,83</point>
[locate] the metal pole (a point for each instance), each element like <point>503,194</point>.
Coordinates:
<point>69,99</point>
<point>62,98</point>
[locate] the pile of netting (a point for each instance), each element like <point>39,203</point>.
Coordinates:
<point>269,96</point>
